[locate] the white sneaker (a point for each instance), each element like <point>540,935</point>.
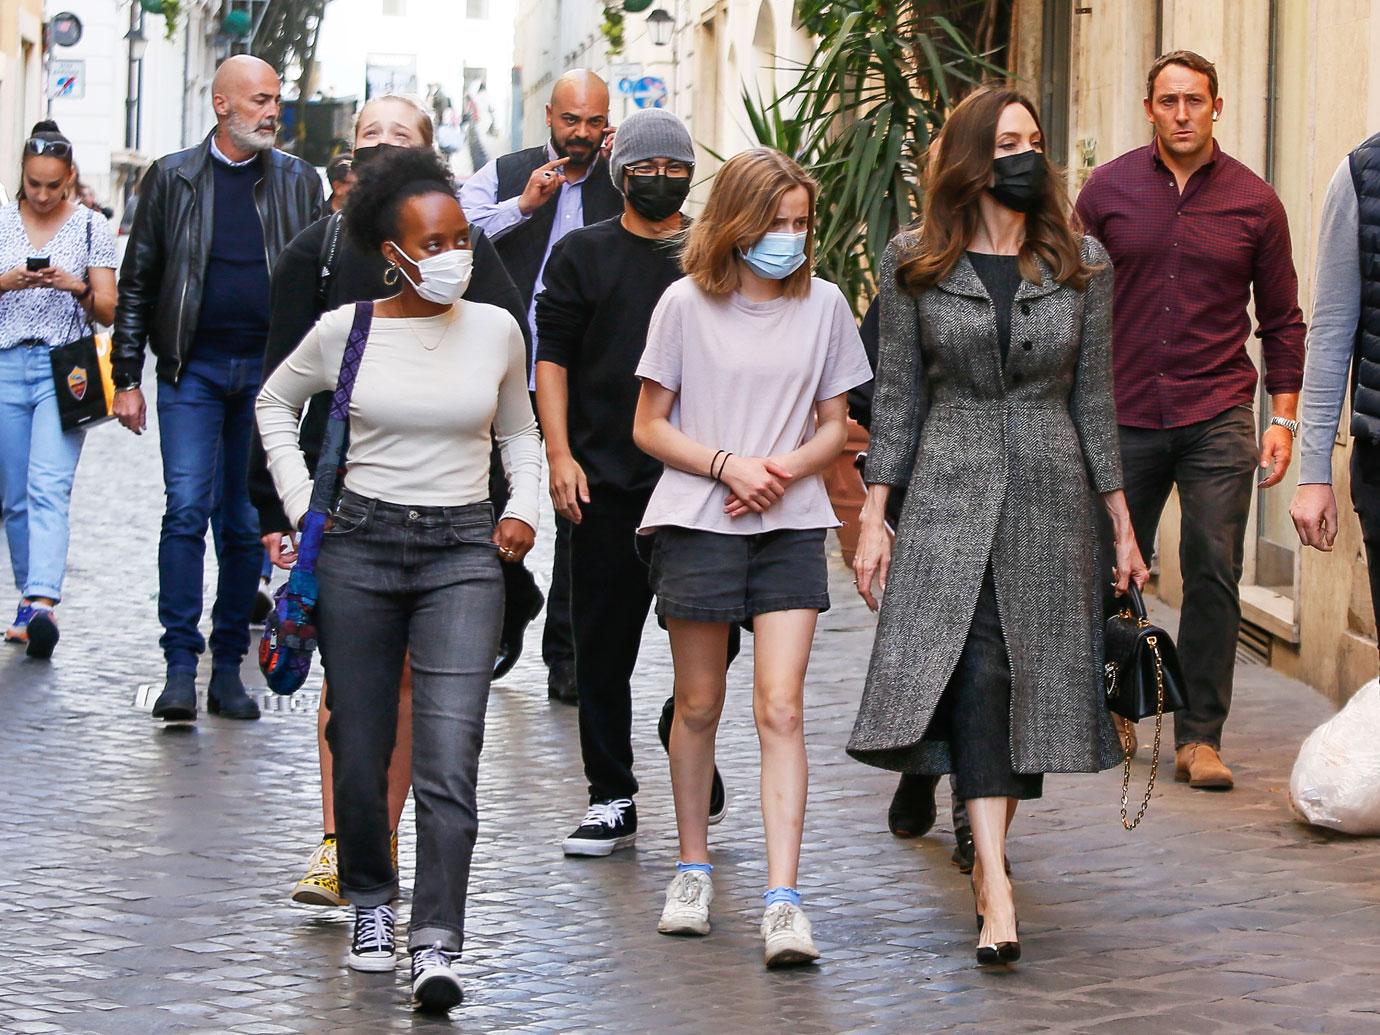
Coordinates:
<point>372,950</point>
<point>687,904</point>
<point>786,936</point>
<point>435,985</point>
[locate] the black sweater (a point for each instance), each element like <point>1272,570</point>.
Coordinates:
<point>234,301</point>
<point>601,285</point>
<point>357,277</point>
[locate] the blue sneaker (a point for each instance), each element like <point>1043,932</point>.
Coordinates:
<point>18,632</point>
<point>43,632</point>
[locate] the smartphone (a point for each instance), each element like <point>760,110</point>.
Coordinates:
<point>36,262</point>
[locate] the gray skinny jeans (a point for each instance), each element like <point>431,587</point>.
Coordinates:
<point>394,580</point>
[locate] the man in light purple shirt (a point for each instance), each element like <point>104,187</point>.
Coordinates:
<point>525,202</point>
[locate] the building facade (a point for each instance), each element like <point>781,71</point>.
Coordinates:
<point>705,54</point>
<point>21,81</point>
<point>124,103</point>
<point>461,50</point>
<point>1301,85</point>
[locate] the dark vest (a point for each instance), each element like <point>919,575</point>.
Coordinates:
<point>523,247</point>
<point>1365,176</point>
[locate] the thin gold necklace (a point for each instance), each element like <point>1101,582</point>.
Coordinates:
<point>407,322</point>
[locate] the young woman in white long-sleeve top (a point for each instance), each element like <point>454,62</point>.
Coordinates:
<point>410,561</point>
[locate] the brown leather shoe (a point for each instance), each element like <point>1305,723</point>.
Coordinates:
<point>1201,767</point>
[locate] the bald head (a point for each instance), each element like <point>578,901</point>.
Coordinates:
<point>580,86</point>
<point>246,95</point>
<point>578,116</point>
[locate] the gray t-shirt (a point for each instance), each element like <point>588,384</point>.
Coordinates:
<point>747,377</point>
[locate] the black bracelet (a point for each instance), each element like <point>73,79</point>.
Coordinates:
<point>713,462</point>
<point>87,292</point>
<point>722,465</point>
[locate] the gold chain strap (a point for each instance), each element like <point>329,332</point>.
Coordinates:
<point>1130,824</point>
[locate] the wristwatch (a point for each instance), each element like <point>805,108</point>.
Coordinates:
<point>1285,422</point>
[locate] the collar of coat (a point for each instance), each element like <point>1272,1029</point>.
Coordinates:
<point>963,280</point>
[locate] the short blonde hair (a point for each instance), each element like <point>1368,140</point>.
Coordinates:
<point>425,126</point>
<point>741,208</point>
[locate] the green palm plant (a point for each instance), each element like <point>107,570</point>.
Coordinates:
<point>862,114</point>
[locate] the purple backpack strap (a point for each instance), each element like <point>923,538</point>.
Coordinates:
<point>335,441</point>
<point>349,362</point>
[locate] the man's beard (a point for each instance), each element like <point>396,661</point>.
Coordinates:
<point>563,151</point>
<point>256,138</point>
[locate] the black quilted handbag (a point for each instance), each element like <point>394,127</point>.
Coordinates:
<point>1143,679</point>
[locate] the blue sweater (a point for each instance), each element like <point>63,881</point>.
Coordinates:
<point>234,298</point>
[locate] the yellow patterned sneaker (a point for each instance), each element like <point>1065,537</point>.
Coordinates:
<point>321,885</point>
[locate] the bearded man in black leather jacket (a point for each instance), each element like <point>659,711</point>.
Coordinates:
<point>194,287</point>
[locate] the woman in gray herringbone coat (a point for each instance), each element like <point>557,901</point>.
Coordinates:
<point>994,405</point>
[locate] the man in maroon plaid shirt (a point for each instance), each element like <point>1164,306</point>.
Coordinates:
<point>1193,234</point>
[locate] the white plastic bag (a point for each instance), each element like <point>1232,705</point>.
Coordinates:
<point>1336,781</point>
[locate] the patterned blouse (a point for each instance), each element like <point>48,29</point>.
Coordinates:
<point>47,314</point>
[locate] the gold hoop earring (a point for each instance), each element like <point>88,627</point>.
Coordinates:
<point>390,275</point>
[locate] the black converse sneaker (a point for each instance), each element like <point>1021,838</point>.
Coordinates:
<point>607,827</point>
<point>373,949</point>
<point>435,985</point>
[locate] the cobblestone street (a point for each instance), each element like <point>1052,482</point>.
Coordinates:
<point>147,869</point>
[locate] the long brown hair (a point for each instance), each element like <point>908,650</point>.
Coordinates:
<point>741,208</point>
<point>958,174</point>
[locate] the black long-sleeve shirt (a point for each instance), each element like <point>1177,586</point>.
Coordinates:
<point>602,284</point>
<point>357,277</point>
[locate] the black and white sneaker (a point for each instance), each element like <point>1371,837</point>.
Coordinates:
<point>373,949</point>
<point>718,799</point>
<point>435,985</point>
<point>607,827</point>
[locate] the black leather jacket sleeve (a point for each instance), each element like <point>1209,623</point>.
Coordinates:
<point>293,312</point>
<point>141,280</point>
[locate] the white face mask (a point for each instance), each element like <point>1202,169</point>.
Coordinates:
<point>444,277</point>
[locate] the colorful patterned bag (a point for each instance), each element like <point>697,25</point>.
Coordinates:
<point>289,638</point>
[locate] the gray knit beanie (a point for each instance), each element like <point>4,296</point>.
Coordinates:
<point>649,133</point>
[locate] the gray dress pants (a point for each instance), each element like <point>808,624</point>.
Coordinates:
<point>396,580</point>
<point>1214,466</point>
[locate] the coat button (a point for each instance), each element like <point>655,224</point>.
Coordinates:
<point>1025,345</point>
<point>1025,308</point>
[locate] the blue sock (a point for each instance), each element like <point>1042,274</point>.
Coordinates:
<point>775,895</point>
<point>687,867</point>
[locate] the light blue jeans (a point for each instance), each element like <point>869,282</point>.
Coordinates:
<point>38,461</point>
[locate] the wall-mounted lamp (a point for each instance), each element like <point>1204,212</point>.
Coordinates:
<point>662,25</point>
<point>138,42</point>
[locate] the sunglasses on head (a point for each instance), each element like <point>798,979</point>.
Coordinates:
<point>56,148</point>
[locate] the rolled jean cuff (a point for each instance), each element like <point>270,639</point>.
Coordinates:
<point>52,593</point>
<point>379,896</point>
<point>425,937</point>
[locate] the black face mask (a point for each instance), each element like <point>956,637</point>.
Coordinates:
<point>366,156</point>
<point>1019,181</point>
<point>657,197</point>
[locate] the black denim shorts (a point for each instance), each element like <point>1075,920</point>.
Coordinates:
<point>716,577</point>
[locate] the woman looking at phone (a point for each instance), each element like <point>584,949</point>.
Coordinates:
<point>58,260</point>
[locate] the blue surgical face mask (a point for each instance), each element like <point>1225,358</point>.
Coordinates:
<point>776,256</point>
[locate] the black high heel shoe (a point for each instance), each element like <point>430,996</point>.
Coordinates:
<point>1001,952</point>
